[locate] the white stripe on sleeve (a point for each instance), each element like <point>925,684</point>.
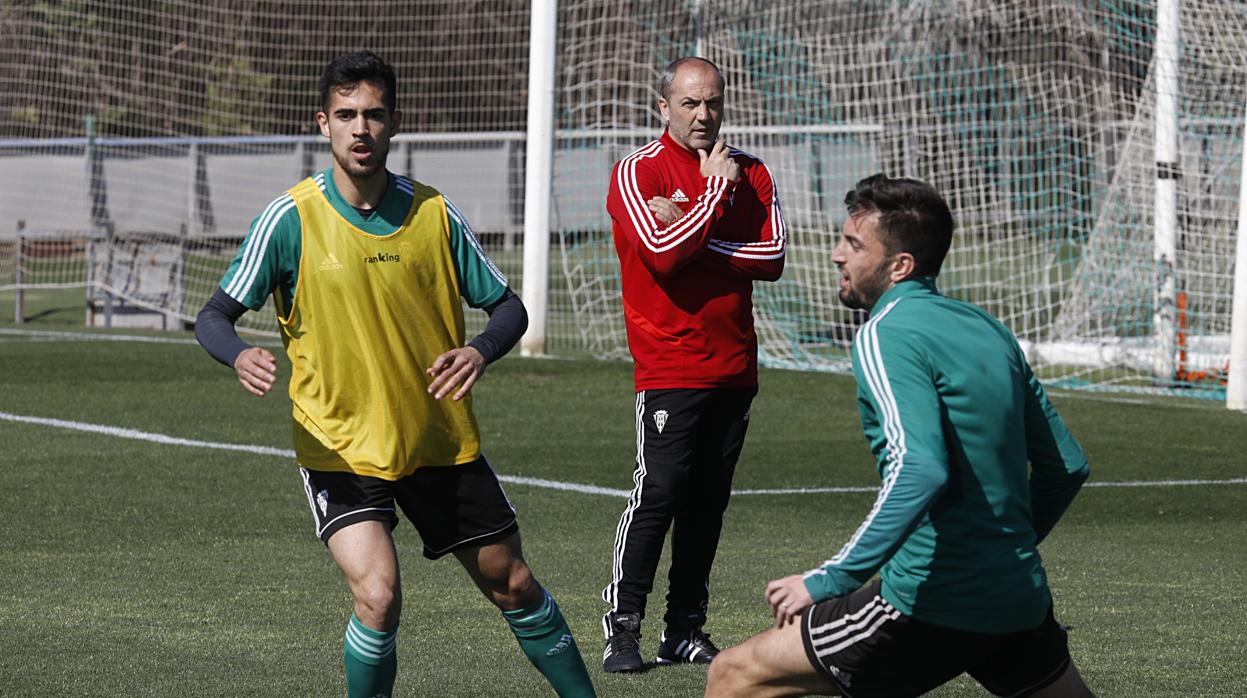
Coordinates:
<point>773,248</point>
<point>894,434</point>
<point>256,247</point>
<point>655,239</point>
<point>468,234</point>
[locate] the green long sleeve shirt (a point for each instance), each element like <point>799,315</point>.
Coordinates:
<point>976,467</point>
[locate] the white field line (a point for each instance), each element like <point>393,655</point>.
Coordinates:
<point>93,337</point>
<point>150,437</point>
<point>52,335</point>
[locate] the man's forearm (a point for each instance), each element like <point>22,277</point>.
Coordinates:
<point>904,498</point>
<point>665,249</point>
<point>740,266</point>
<point>214,328</point>
<point>507,322</point>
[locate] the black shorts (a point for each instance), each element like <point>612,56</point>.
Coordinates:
<point>862,644</point>
<point>452,507</point>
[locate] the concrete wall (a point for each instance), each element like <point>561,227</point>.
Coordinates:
<point>217,187</point>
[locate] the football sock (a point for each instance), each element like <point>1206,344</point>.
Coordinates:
<point>369,659</point>
<point>547,642</point>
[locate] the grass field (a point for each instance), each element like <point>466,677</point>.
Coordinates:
<point>132,567</point>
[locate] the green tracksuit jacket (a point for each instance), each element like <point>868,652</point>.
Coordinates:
<point>976,467</point>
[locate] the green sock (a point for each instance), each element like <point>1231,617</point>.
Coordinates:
<point>547,642</point>
<point>370,660</point>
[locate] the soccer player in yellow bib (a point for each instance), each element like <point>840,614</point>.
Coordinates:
<point>367,269</point>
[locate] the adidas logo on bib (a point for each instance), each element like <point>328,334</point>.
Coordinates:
<point>679,196</point>
<point>331,263</point>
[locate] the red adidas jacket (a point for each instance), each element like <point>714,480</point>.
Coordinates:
<point>688,286</point>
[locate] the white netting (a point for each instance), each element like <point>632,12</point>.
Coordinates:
<point>145,119</point>
<point>1034,118</point>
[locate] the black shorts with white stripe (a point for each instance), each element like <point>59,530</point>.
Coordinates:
<point>452,507</point>
<point>867,648</point>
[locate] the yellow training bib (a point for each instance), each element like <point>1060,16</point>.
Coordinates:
<point>368,317</point>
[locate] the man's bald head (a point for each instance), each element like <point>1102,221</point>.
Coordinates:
<point>689,62</point>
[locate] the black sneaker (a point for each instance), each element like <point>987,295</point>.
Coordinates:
<point>623,643</point>
<point>692,646</point>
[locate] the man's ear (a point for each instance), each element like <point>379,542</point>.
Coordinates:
<point>322,120</point>
<point>903,267</point>
<point>664,109</point>
<point>396,120</point>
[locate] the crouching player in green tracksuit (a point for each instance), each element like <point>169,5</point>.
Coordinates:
<point>976,468</point>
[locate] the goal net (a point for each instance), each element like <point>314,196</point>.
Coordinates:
<point>1036,120</point>
<point>174,124</point>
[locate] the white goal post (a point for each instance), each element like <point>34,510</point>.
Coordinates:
<point>1236,391</point>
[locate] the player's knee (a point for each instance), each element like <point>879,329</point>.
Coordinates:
<point>519,589</point>
<point>378,604</point>
<point>511,586</point>
<point>661,496</point>
<point>717,677</point>
<point>728,673</point>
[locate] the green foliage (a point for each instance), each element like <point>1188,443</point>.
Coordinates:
<point>237,96</point>
<point>182,72</point>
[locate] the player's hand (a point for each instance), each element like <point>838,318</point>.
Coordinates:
<point>462,367</point>
<point>788,597</point>
<point>664,210</point>
<point>256,369</point>
<point>718,163</point>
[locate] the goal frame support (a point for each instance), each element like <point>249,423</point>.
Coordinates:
<point>1236,381</point>
<point>1168,170</point>
<point>539,172</point>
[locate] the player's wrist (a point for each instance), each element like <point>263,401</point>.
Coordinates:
<point>484,347</point>
<point>817,585</point>
<point>823,583</point>
<point>237,352</point>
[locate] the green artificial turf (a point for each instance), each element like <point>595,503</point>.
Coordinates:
<point>135,568</point>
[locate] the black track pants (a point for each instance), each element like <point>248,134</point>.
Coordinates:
<point>688,441</point>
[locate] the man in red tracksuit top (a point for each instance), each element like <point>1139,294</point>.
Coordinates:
<point>695,223</point>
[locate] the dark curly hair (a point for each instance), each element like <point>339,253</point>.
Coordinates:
<point>348,70</point>
<point>913,218</point>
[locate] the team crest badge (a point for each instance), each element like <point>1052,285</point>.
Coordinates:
<point>322,501</point>
<point>660,419</point>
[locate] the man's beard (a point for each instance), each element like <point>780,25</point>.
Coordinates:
<point>862,296</point>
<point>851,300</point>
<point>356,169</point>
